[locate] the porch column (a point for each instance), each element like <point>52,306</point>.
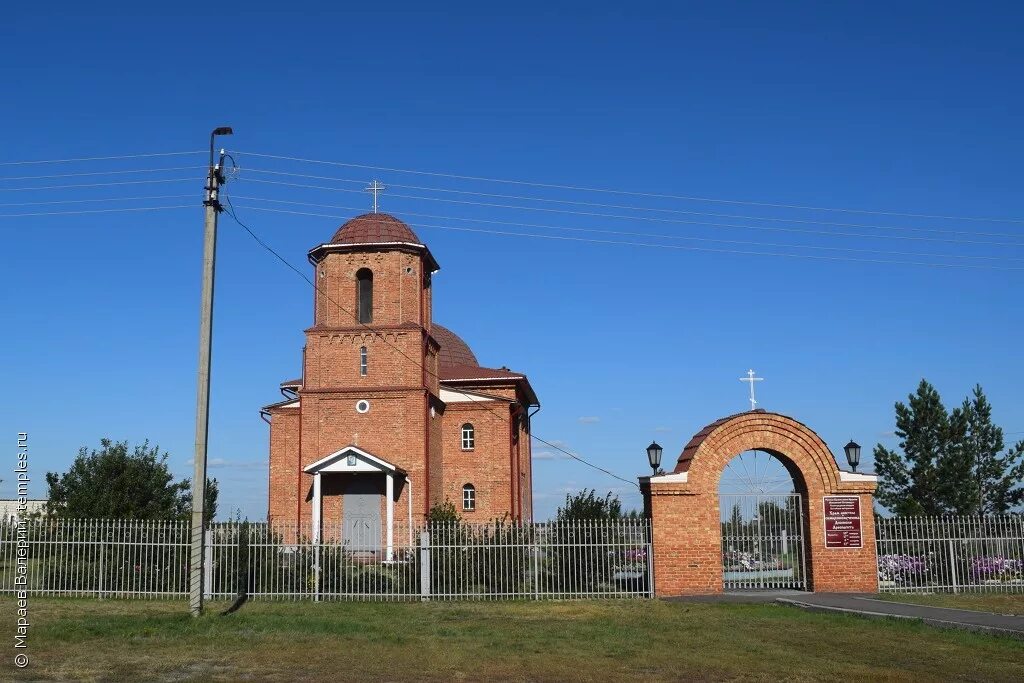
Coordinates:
<point>317,507</point>
<point>389,491</point>
<point>317,510</point>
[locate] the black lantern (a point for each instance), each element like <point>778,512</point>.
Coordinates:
<point>852,454</point>
<point>654,456</point>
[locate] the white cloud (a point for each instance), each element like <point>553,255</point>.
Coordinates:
<point>589,419</point>
<point>549,455</point>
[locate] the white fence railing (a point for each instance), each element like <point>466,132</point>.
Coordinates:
<point>129,558</point>
<point>965,553</point>
<point>448,561</point>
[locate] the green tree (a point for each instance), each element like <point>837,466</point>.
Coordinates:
<point>951,462</point>
<point>918,480</point>
<point>587,505</point>
<point>997,478</point>
<point>115,482</point>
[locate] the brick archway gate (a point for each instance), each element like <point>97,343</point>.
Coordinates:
<point>686,520</point>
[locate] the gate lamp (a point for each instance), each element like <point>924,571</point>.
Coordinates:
<point>852,454</point>
<point>654,456</point>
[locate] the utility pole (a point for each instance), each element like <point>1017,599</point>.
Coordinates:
<point>214,180</point>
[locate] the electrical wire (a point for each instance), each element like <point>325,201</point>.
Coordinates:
<point>645,234</point>
<point>629,207</point>
<point>68,213</point>
<point>119,183</point>
<point>110,158</point>
<point>103,199</point>
<point>677,221</point>
<point>663,246</point>
<point>95,173</point>
<point>655,195</point>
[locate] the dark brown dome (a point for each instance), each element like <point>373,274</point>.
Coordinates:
<point>454,352</point>
<point>374,228</point>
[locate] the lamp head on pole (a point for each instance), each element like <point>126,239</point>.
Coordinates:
<point>219,130</point>
<point>852,454</point>
<point>654,456</point>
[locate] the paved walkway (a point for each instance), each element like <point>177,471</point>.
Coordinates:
<point>868,605</point>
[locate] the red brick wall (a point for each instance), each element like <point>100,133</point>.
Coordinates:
<point>284,454</point>
<point>687,524</point>
<point>397,285</point>
<point>486,467</point>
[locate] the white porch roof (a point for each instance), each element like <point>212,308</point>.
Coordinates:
<point>364,462</point>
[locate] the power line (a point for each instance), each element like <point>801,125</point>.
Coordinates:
<point>676,221</point>
<point>644,234</point>
<point>580,188</point>
<point>231,212</point>
<point>628,207</point>
<point>118,183</point>
<point>110,158</point>
<point>661,246</point>
<point>102,199</point>
<point>95,173</point>
<point>85,211</point>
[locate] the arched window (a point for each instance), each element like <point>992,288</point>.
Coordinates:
<point>468,437</point>
<point>468,497</point>
<point>364,295</point>
<point>363,361</point>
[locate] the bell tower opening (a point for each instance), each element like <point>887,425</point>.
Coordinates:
<point>364,295</point>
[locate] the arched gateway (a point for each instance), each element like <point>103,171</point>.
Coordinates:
<point>836,507</point>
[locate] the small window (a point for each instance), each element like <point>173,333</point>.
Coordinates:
<point>362,361</point>
<point>468,437</point>
<point>362,406</point>
<point>364,295</point>
<point>468,497</point>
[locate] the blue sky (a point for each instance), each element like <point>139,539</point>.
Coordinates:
<point>892,108</point>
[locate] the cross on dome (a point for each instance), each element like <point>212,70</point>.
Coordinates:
<point>375,188</point>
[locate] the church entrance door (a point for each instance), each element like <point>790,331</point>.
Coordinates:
<point>361,525</point>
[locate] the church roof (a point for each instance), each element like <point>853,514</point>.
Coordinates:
<point>374,228</point>
<point>454,351</point>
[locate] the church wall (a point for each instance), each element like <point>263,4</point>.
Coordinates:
<point>526,468</point>
<point>332,359</point>
<point>486,467</point>
<point>393,430</point>
<point>284,457</point>
<point>397,286</point>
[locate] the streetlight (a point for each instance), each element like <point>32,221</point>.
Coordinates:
<point>654,456</point>
<point>852,454</point>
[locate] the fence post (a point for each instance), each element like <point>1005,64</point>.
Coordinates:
<point>649,545</point>
<point>952,567</point>
<point>207,564</point>
<point>103,552</point>
<point>535,549</point>
<point>424,565</point>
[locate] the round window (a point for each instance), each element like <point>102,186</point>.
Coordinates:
<point>362,406</point>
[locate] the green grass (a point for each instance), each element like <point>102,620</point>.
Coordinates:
<point>1002,603</point>
<point>137,640</point>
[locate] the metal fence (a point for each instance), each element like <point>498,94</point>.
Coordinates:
<point>966,553</point>
<point>762,541</point>
<point>449,561</point>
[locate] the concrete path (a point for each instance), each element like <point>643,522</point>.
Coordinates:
<point>869,605</point>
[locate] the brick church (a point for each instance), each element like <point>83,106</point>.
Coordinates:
<point>393,414</point>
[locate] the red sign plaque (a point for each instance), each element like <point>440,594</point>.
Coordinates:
<point>842,522</point>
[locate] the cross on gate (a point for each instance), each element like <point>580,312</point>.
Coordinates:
<point>751,378</point>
